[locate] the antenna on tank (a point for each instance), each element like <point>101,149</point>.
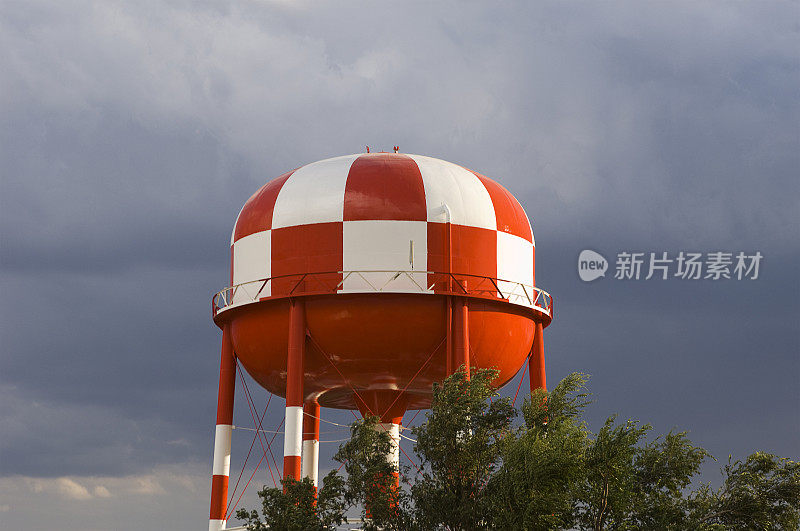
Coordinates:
<point>446,210</point>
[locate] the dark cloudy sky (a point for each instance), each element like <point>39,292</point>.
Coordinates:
<point>132,133</point>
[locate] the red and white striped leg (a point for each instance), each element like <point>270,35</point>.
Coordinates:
<point>393,429</point>
<point>389,406</point>
<point>293,435</point>
<point>538,378</point>
<point>450,366</point>
<point>310,462</point>
<point>222,438</point>
<point>461,333</point>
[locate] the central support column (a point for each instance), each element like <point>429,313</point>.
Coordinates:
<point>538,378</point>
<point>461,333</point>
<point>311,441</point>
<point>393,429</point>
<point>293,434</point>
<point>389,405</point>
<point>222,437</point>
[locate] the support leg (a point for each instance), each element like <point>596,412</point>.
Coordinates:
<point>311,441</point>
<point>538,379</point>
<point>222,438</point>
<point>450,366</point>
<point>393,457</point>
<point>389,406</point>
<point>461,333</point>
<point>293,435</point>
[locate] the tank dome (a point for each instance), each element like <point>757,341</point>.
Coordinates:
<point>380,211</point>
<point>379,247</point>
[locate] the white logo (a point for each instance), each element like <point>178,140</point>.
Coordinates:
<point>591,265</point>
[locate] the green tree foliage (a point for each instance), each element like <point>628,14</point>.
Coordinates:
<point>298,506</point>
<point>631,484</point>
<point>537,485</point>
<point>371,479</point>
<point>762,492</point>
<point>370,484</point>
<point>481,469</point>
<point>460,449</point>
<point>663,470</point>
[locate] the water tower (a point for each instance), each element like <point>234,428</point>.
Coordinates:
<point>359,281</point>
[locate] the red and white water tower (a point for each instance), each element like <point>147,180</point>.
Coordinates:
<point>359,281</point>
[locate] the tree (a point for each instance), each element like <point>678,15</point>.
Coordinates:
<point>371,479</point>
<point>460,447</point>
<point>369,484</point>
<point>298,506</point>
<point>557,475</point>
<point>761,492</point>
<point>479,469</point>
<point>663,469</point>
<point>536,486</point>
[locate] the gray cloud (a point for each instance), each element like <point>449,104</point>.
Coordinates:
<point>131,135</point>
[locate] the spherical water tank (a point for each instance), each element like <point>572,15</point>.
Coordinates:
<point>381,248</point>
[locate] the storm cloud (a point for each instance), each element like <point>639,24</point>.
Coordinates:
<point>131,134</point>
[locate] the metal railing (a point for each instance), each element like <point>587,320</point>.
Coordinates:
<point>383,281</point>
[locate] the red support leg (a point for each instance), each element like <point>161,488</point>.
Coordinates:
<point>392,427</point>
<point>389,406</point>
<point>450,366</point>
<point>293,435</point>
<point>222,439</point>
<point>461,333</point>
<point>538,377</point>
<point>310,464</point>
